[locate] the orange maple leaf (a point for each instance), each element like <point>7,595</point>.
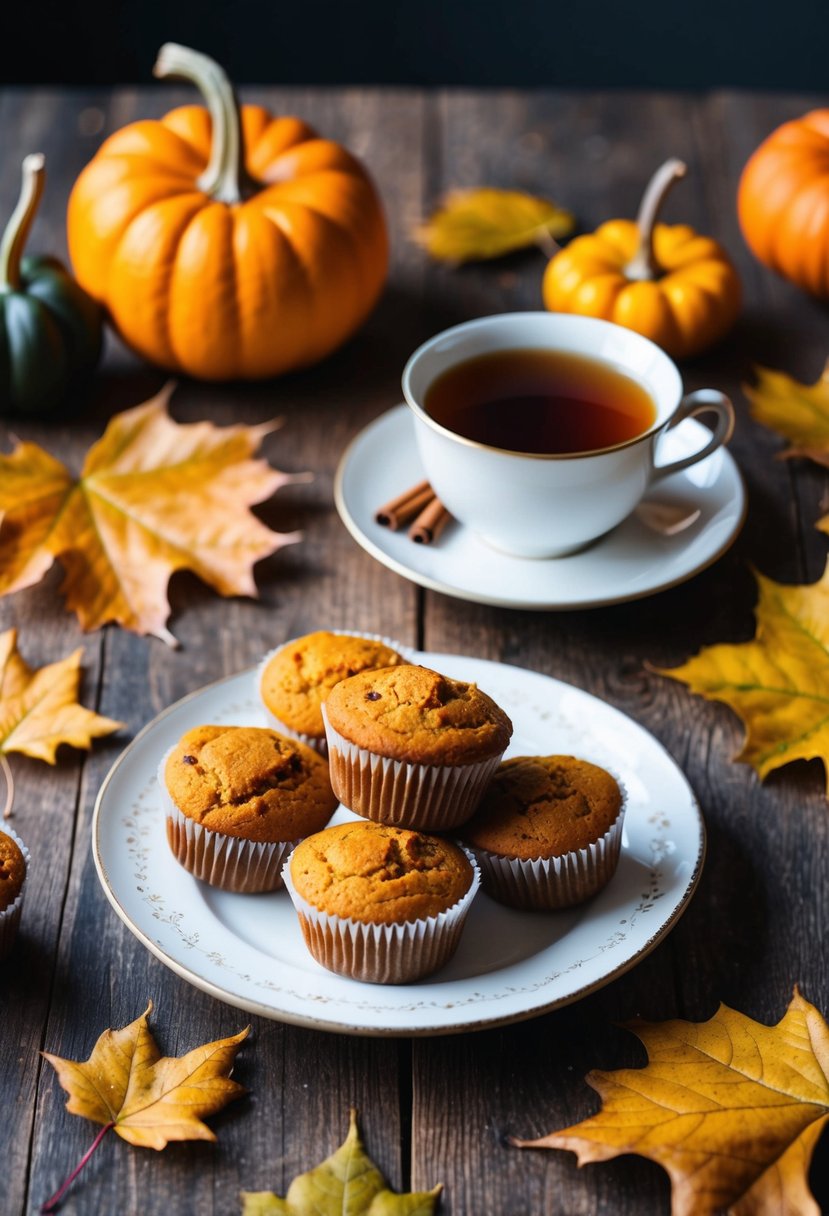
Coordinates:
<point>154,496</point>
<point>39,709</point>
<point>145,1098</point>
<point>732,1109</point>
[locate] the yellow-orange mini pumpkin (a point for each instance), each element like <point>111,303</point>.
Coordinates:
<point>783,202</point>
<point>665,281</point>
<point>226,243</point>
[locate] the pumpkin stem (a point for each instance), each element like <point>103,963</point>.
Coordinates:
<point>644,265</point>
<point>225,177</point>
<point>22,218</point>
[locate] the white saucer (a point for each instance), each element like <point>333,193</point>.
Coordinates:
<point>684,524</point>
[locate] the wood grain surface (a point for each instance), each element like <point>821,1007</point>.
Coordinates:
<point>432,1110</point>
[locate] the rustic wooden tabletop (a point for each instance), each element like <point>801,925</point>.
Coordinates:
<point>432,1109</point>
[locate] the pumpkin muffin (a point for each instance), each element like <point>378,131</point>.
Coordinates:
<point>411,747</point>
<point>548,831</point>
<point>295,679</point>
<point>238,798</point>
<point>379,903</point>
<point>14,860</point>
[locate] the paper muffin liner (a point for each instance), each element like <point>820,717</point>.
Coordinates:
<point>382,954</point>
<point>317,742</point>
<point>10,916</point>
<point>548,883</point>
<point>424,797</point>
<point>228,862</point>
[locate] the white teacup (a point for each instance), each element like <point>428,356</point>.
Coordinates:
<point>551,505</point>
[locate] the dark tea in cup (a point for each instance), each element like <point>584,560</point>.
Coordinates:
<point>541,431</point>
<point>544,402</point>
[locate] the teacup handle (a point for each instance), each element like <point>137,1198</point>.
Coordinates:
<point>704,400</point>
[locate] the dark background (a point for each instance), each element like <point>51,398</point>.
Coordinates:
<point>661,43</point>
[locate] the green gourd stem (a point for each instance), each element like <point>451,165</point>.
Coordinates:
<point>22,218</point>
<point>644,265</point>
<point>225,178</point>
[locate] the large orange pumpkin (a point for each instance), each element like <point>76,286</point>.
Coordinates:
<point>783,202</point>
<point>227,244</point>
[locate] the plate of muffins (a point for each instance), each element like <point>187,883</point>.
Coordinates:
<point>362,838</point>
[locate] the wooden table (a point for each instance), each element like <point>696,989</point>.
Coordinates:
<point>439,1109</point>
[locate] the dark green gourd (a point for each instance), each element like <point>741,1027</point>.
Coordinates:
<point>50,329</point>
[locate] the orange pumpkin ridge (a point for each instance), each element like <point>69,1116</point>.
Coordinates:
<point>227,243</point>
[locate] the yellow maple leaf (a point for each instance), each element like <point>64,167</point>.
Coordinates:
<point>346,1182</point>
<point>147,1099</point>
<point>39,709</point>
<point>799,412</point>
<point>154,496</point>
<point>778,683</point>
<point>150,1099</point>
<point>472,225</point>
<point>732,1109</point>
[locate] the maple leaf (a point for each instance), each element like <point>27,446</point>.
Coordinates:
<point>799,412</point>
<point>473,225</point>
<point>146,1098</point>
<point>732,1109</point>
<point>39,709</point>
<point>346,1182</point>
<point>154,496</point>
<point>778,684</point>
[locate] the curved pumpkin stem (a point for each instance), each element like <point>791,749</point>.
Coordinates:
<point>225,177</point>
<point>22,218</point>
<point>644,265</point>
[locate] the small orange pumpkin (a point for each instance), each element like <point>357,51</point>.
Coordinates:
<point>227,244</point>
<point>667,282</point>
<point>783,202</point>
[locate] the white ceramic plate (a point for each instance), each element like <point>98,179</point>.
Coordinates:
<point>684,524</point>
<point>248,950</point>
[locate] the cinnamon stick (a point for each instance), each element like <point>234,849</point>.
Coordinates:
<point>405,506</point>
<point>430,523</point>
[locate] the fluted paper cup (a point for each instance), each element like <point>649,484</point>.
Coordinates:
<point>231,863</point>
<point>319,743</point>
<point>10,916</point>
<point>548,883</point>
<point>423,797</point>
<point>382,954</point>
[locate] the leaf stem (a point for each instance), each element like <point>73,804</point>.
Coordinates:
<point>51,1205</point>
<point>5,768</point>
<point>548,244</point>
